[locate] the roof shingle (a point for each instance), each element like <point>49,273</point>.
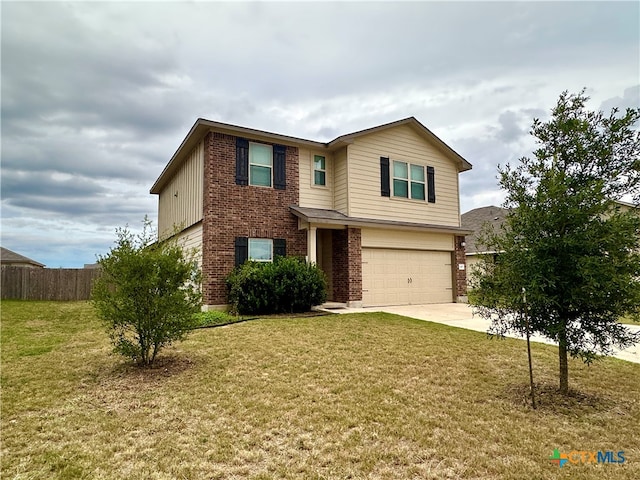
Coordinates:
<point>476,218</point>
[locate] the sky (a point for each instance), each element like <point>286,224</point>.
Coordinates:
<point>96,97</point>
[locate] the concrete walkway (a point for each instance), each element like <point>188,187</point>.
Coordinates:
<point>461,315</point>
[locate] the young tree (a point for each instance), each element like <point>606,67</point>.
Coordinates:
<point>567,241</point>
<point>147,293</point>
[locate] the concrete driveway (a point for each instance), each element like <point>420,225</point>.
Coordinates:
<point>461,315</point>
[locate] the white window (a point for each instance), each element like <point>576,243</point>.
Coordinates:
<point>260,164</point>
<point>319,170</point>
<point>408,180</point>
<point>260,249</point>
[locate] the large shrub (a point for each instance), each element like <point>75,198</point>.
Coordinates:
<point>147,294</point>
<point>287,285</point>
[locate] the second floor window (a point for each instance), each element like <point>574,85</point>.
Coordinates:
<point>408,180</point>
<point>260,164</point>
<point>319,170</point>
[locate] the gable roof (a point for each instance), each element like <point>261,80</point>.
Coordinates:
<point>9,257</point>
<point>475,219</point>
<point>423,131</point>
<point>202,126</point>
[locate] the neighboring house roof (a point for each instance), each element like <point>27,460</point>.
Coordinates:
<point>321,216</point>
<point>474,220</point>
<point>9,257</point>
<point>202,126</point>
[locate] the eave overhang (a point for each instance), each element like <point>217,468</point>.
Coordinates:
<point>202,126</point>
<point>319,217</point>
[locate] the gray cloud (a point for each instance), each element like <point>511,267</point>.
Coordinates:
<point>510,130</point>
<point>97,97</point>
<point>629,99</point>
<point>18,183</point>
<point>514,126</point>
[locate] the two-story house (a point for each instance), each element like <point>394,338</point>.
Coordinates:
<point>378,210</point>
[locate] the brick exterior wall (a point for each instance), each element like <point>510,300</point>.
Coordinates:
<point>460,275</point>
<point>347,265</point>
<point>232,211</point>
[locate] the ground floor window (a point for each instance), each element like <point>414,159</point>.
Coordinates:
<point>261,249</point>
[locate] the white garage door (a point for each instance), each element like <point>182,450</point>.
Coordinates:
<point>405,277</point>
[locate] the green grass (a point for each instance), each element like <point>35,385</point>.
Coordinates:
<point>214,318</point>
<point>340,396</point>
<point>628,320</point>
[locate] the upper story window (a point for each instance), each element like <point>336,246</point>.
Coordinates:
<point>319,170</point>
<point>408,181</point>
<point>260,164</point>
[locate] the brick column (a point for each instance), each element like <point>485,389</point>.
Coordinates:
<point>347,266</point>
<point>354,262</point>
<point>460,275</point>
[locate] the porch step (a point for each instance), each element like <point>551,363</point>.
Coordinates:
<point>328,306</point>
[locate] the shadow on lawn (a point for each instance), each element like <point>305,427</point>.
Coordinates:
<point>550,400</point>
<point>165,365</point>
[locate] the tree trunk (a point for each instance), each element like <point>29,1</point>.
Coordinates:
<point>562,359</point>
<point>531,384</point>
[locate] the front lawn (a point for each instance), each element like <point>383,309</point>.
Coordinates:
<point>628,320</point>
<point>340,396</point>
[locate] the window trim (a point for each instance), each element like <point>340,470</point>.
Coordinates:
<point>270,166</point>
<point>314,170</point>
<point>241,249</point>
<point>249,257</point>
<point>409,181</point>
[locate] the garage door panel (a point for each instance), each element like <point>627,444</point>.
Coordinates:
<point>400,277</point>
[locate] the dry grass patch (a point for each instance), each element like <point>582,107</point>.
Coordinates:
<point>629,321</point>
<point>340,396</point>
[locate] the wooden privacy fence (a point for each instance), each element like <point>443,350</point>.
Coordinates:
<point>20,283</point>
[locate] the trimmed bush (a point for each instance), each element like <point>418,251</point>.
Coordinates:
<point>147,293</point>
<point>287,285</point>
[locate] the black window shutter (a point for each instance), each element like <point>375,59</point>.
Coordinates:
<point>242,161</point>
<point>242,250</point>
<point>431,185</point>
<point>279,247</point>
<point>280,167</point>
<point>385,189</point>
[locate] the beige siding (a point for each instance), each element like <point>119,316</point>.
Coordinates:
<point>311,195</point>
<point>473,262</point>
<point>341,182</point>
<point>191,240</point>
<point>404,144</point>
<point>180,202</point>
<point>473,265</point>
<point>381,238</point>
